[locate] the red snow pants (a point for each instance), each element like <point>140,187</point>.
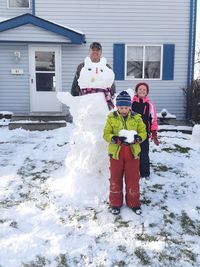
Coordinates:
<point>126,166</point>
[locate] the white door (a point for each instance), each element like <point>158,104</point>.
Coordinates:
<point>44,78</point>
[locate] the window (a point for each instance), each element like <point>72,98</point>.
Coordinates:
<point>19,3</point>
<point>143,62</point>
<point>45,71</point>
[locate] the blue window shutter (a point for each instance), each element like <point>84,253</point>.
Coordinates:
<point>118,61</point>
<point>168,61</point>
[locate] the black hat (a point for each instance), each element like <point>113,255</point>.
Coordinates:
<point>123,99</point>
<point>96,45</point>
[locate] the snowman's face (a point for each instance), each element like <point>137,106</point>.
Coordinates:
<point>95,75</point>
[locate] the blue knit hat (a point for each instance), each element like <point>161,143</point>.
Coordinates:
<point>123,99</point>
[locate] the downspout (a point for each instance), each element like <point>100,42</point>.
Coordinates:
<point>191,56</point>
<point>33,7</point>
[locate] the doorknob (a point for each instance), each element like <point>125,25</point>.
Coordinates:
<point>31,80</point>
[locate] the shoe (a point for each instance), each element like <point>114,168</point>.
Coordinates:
<point>115,210</point>
<point>137,210</point>
<point>145,177</point>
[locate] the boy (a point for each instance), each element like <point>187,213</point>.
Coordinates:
<point>142,105</point>
<point>124,157</point>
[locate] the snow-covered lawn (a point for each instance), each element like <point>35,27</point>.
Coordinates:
<point>46,219</point>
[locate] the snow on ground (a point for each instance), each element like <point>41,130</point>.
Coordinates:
<point>44,223</point>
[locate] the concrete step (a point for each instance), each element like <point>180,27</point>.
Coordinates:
<point>36,125</point>
<point>39,117</point>
<point>38,122</point>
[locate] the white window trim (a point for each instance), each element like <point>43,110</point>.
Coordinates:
<point>19,7</point>
<point>136,79</point>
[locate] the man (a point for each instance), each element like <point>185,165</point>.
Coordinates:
<point>95,53</point>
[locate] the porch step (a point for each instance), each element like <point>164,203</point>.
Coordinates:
<point>37,122</point>
<point>39,117</point>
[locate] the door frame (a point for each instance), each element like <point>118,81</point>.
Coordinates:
<point>32,83</point>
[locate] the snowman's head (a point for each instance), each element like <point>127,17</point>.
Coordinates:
<point>95,75</point>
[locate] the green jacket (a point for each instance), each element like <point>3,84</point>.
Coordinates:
<point>115,122</point>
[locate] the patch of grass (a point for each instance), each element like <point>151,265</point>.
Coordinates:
<point>182,149</point>
<point>119,264</point>
<point>153,225</point>
<point>146,237</point>
<point>188,225</point>
<point>146,201</point>
<point>122,248</point>
<point>161,168</point>
<point>177,148</point>
<point>142,255</point>
<point>14,224</point>
<point>120,223</point>
<point>167,258</point>
<point>8,203</point>
<point>158,186</point>
<point>38,262</point>
<point>190,255</point>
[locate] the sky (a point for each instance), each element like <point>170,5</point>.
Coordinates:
<point>54,198</point>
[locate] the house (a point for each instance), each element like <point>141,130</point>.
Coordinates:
<point>42,42</point>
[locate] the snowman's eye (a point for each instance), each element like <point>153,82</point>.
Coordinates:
<point>89,69</point>
<point>101,70</point>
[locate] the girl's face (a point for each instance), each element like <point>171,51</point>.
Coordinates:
<point>142,91</point>
<point>123,110</point>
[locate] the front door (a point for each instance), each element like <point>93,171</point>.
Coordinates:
<point>44,78</point>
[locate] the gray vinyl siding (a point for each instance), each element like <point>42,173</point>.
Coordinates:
<point>130,22</point>
<point>14,90</point>
<point>31,33</point>
<point>138,22</point>
<point>12,12</point>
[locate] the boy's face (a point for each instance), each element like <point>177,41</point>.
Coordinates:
<point>123,110</point>
<point>142,91</point>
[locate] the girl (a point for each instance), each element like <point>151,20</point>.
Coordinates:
<point>142,105</point>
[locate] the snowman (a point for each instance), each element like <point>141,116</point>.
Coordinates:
<point>87,159</point>
<point>95,83</point>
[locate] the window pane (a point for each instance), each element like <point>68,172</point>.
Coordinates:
<point>19,3</point>
<point>45,61</point>
<point>134,61</point>
<point>152,62</point>
<point>45,82</point>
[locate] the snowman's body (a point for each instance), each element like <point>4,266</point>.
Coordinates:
<point>89,112</point>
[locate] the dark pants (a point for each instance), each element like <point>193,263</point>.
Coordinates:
<point>129,167</point>
<point>144,159</point>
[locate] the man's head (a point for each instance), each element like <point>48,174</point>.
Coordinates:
<point>95,51</point>
<point>123,103</point>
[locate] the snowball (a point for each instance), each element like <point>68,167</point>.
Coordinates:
<point>128,134</point>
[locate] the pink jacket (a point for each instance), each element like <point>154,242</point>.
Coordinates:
<point>152,112</point>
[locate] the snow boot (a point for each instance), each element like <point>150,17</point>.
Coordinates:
<point>115,210</point>
<point>137,210</point>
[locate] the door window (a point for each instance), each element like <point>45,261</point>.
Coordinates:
<point>45,71</point>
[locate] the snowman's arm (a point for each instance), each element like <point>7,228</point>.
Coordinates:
<point>75,89</point>
<point>113,87</point>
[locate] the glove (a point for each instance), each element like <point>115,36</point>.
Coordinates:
<point>154,137</point>
<point>137,139</point>
<point>118,140</point>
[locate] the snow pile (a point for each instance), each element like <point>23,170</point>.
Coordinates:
<point>165,114</point>
<point>87,159</point>
<point>196,134</point>
<point>41,225</point>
